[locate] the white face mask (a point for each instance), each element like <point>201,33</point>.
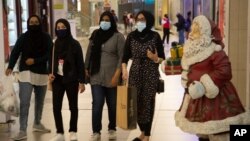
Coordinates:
<point>140,26</point>
<point>105,25</point>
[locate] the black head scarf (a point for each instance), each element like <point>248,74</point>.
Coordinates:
<point>99,37</point>
<point>34,29</point>
<point>145,34</point>
<point>34,43</point>
<point>62,43</point>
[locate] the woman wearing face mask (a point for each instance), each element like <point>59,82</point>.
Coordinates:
<point>33,48</point>
<point>68,75</point>
<point>144,47</point>
<point>103,66</point>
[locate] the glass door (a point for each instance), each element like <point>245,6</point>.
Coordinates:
<point>12,22</point>
<point>24,14</point>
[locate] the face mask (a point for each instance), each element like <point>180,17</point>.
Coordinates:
<point>34,27</point>
<point>105,25</point>
<point>140,26</point>
<point>61,33</point>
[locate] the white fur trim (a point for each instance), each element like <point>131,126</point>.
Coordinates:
<point>163,65</point>
<point>184,78</point>
<point>218,48</point>
<point>209,127</point>
<point>186,62</point>
<point>196,90</point>
<point>1,88</point>
<point>211,89</point>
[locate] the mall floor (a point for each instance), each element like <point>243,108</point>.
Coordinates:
<point>163,128</point>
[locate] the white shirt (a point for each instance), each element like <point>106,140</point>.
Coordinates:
<point>33,78</point>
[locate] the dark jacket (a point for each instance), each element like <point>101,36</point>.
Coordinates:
<point>181,22</point>
<point>40,56</point>
<point>73,68</point>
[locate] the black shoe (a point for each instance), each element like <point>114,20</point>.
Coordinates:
<point>136,139</point>
<point>203,139</point>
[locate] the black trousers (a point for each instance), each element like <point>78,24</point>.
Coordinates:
<point>59,89</point>
<point>166,33</point>
<point>146,127</point>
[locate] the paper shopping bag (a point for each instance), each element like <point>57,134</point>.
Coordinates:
<point>126,109</point>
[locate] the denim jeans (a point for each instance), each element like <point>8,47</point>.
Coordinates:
<point>25,96</point>
<point>181,36</point>
<point>99,94</point>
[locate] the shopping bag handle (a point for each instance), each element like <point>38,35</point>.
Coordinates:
<point>123,83</point>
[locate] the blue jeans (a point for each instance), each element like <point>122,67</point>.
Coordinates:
<point>25,96</point>
<point>99,94</point>
<point>181,36</point>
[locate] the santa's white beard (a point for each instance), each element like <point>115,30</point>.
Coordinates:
<point>193,47</point>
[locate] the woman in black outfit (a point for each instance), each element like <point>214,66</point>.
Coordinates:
<point>68,75</point>
<point>145,48</point>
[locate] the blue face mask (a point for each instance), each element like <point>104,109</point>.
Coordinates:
<point>140,26</point>
<point>105,25</point>
<point>61,33</point>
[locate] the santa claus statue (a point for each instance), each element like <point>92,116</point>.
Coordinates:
<point>211,103</point>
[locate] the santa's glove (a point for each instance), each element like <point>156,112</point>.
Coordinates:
<point>196,90</point>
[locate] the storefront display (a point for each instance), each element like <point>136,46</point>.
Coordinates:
<point>15,16</point>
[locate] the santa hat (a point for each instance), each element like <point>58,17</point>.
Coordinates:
<point>209,28</point>
<point>216,35</point>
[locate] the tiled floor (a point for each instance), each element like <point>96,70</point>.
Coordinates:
<point>163,128</point>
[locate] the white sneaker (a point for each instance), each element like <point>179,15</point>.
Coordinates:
<point>112,134</point>
<point>58,137</point>
<point>20,136</point>
<point>95,137</point>
<point>40,128</point>
<point>72,136</point>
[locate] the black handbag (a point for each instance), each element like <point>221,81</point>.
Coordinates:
<point>160,86</point>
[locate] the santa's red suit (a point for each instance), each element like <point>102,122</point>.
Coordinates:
<point>211,102</point>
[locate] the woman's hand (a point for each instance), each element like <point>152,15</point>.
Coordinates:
<point>8,72</point>
<point>81,87</point>
<point>30,61</point>
<point>114,81</point>
<point>152,56</point>
<point>124,74</point>
<point>115,78</point>
<point>51,77</point>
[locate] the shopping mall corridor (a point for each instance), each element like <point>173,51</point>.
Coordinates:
<point>163,128</point>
